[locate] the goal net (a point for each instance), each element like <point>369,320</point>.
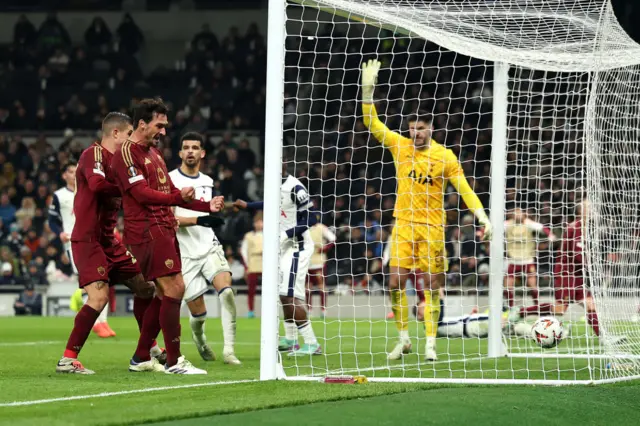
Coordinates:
<point>538,100</point>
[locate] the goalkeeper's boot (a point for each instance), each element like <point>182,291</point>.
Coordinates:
<point>145,366</point>
<point>430,350</point>
<point>183,367</point>
<point>306,350</point>
<point>401,348</point>
<point>229,357</point>
<point>72,365</point>
<point>286,345</point>
<point>159,353</point>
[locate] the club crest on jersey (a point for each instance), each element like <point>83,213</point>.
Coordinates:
<point>101,271</point>
<point>168,263</point>
<point>132,171</point>
<point>162,178</point>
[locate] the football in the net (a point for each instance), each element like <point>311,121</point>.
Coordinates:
<point>547,332</point>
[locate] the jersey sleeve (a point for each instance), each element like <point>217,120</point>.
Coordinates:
<point>54,217</point>
<point>453,171</point>
<point>300,196</point>
<point>452,167</point>
<point>128,167</point>
<point>93,170</point>
<point>392,140</point>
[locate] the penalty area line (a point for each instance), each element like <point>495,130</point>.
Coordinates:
<point>118,393</point>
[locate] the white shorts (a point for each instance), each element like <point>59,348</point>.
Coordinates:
<point>199,273</point>
<point>294,265</point>
<point>73,265</point>
<point>469,326</point>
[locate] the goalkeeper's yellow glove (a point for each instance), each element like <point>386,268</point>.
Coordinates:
<point>369,79</point>
<point>486,225</point>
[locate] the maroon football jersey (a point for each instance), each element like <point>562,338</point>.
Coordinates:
<point>96,202</point>
<point>139,165</point>
<point>569,262</point>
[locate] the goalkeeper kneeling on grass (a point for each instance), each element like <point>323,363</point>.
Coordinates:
<point>423,169</point>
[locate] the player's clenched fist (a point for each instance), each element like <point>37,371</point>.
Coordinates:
<point>240,204</point>
<point>217,204</point>
<point>188,193</point>
<point>369,79</point>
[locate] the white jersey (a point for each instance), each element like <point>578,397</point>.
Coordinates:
<point>61,211</point>
<point>195,242</point>
<point>294,198</point>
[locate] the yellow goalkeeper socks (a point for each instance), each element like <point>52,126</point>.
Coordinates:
<point>431,312</point>
<point>400,309</point>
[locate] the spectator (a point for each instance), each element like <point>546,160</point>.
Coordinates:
<point>53,34</point>
<point>130,37</point>
<point>29,302</point>
<point>27,210</point>
<point>205,41</point>
<point>14,240</point>
<point>7,210</point>
<point>7,276</point>
<point>98,36</point>
<point>255,183</point>
<point>24,32</point>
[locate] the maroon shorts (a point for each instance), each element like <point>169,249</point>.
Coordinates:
<point>97,263</point>
<point>519,270</point>
<point>158,258</point>
<point>570,290</point>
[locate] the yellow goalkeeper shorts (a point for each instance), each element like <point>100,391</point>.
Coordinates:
<point>418,246</point>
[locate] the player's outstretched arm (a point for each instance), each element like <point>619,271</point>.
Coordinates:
<point>254,205</point>
<point>369,114</point>
<point>453,172</point>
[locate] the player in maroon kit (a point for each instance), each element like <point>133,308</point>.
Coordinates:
<point>99,257</point>
<point>150,229</point>
<point>569,279</point>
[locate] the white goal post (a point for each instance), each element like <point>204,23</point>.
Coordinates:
<point>540,102</point>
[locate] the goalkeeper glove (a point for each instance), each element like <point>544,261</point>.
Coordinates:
<point>369,79</point>
<point>486,224</point>
<point>209,221</point>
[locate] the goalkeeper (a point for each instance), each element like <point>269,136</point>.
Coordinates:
<point>423,168</point>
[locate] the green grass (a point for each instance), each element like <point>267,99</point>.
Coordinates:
<point>30,348</point>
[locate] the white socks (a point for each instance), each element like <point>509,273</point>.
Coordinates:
<point>228,317</point>
<point>103,315</point>
<point>290,330</point>
<point>197,327</point>
<point>404,336</point>
<point>307,333</point>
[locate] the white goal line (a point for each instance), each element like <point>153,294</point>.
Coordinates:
<point>118,393</point>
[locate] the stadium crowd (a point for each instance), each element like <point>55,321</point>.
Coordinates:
<point>49,84</point>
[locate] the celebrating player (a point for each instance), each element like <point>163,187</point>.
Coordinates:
<point>61,220</point>
<point>569,278</point>
<point>423,168</point>
<point>150,230</point>
<point>323,240</point>
<point>100,258</point>
<point>202,256</point>
<point>296,249</point>
<point>520,234</point>
<point>251,251</point>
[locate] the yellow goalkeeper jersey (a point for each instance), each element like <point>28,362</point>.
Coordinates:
<point>422,174</point>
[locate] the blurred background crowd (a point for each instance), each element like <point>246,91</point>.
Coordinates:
<point>54,88</point>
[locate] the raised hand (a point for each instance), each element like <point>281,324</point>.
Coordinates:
<point>369,79</point>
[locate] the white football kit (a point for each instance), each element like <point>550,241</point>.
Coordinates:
<point>296,252</point>
<point>61,210</point>
<point>201,253</point>
<point>466,326</point>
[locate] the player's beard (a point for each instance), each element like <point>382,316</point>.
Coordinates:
<point>192,162</point>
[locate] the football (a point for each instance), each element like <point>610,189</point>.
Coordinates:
<point>547,332</point>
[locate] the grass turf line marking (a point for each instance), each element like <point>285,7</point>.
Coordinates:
<point>118,393</point>
<point>109,341</point>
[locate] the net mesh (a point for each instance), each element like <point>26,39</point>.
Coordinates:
<point>572,131</point>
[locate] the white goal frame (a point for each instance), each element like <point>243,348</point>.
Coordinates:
<point>270,362</point>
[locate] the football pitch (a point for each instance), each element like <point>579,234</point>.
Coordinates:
<point>31,393</point>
